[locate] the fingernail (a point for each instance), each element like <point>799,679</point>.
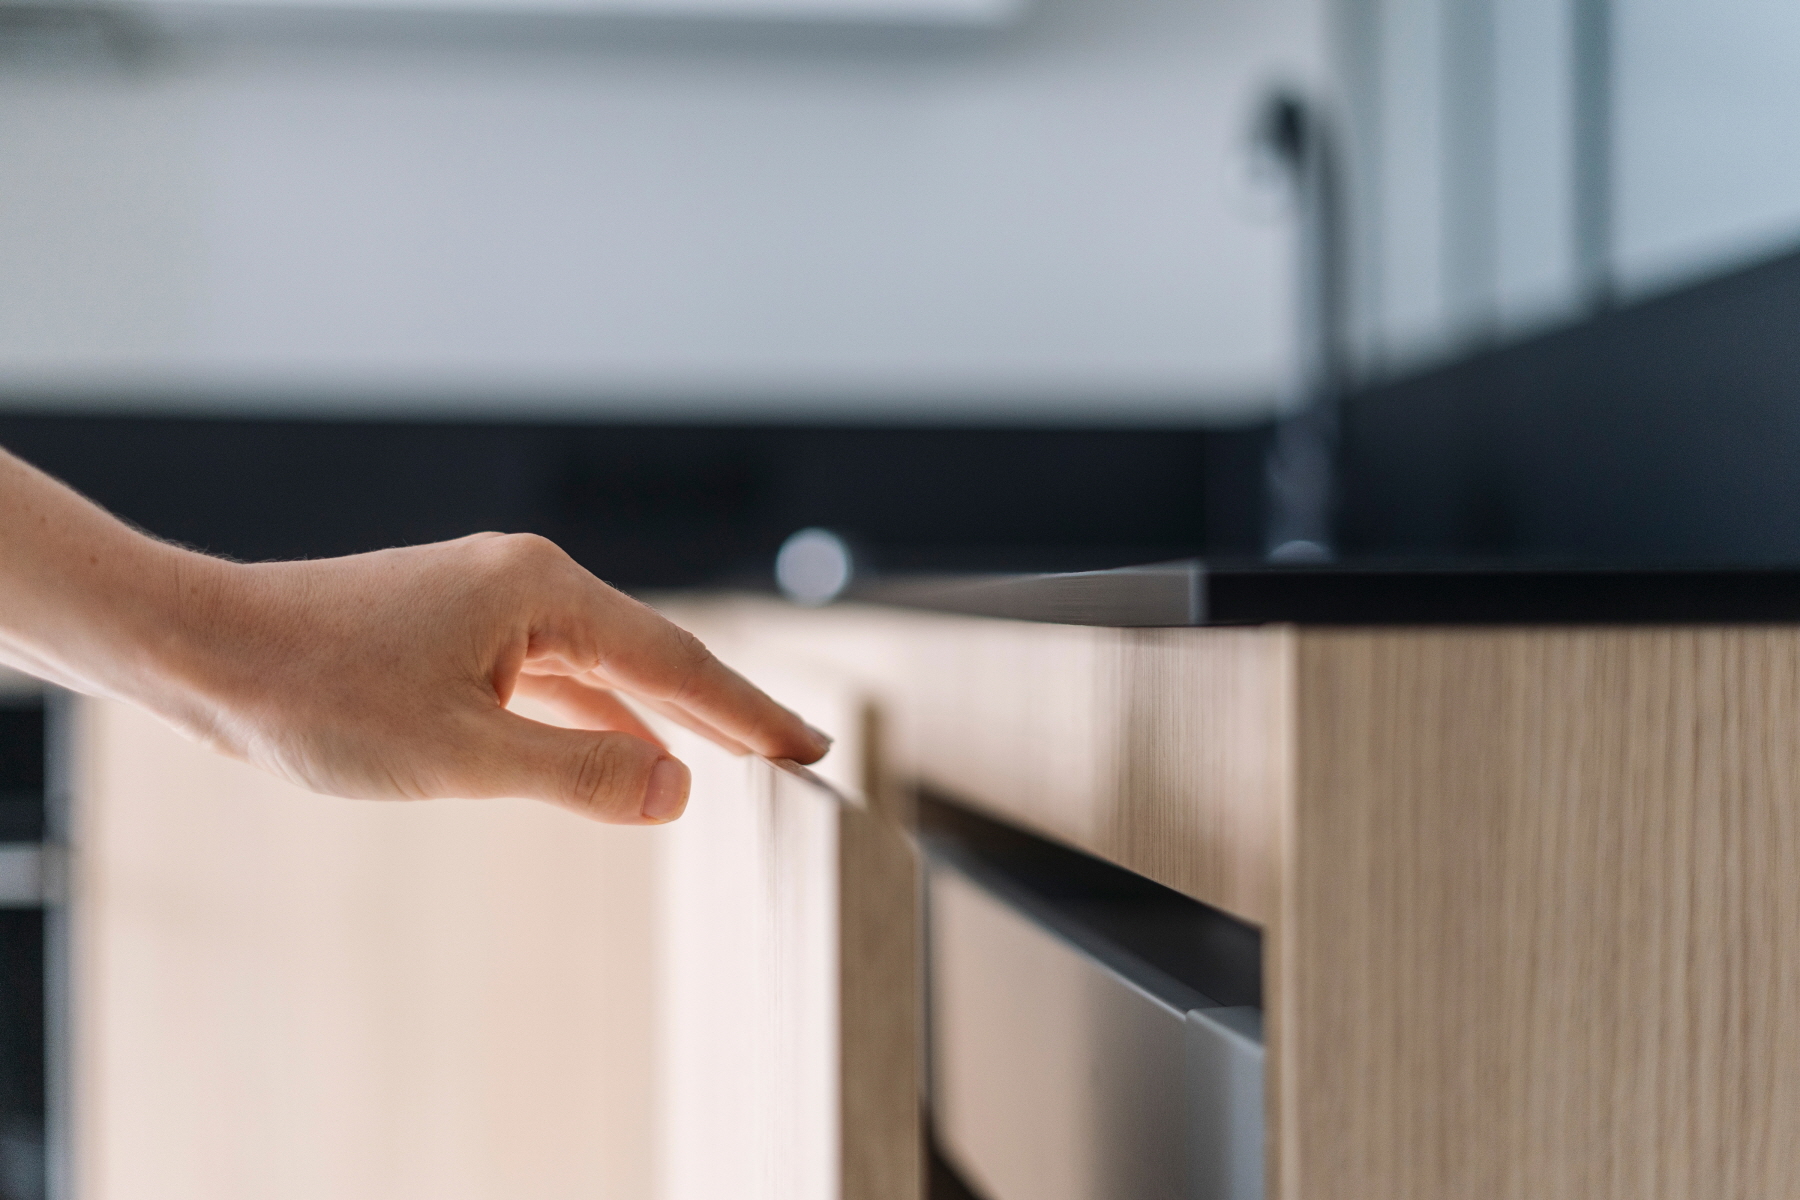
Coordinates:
<point>667,794</point>
<point>821,738</point>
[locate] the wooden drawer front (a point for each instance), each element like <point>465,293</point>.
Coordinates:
<point>1165,751</point>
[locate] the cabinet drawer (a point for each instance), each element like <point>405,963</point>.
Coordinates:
<point>1164,751</point>
<point>1065,1066</point>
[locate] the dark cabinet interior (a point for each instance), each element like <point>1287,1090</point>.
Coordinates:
<point>23,975</point>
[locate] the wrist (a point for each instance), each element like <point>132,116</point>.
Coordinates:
<point>179,632</point>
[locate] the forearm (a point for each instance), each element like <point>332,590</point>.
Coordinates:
<point>86,601</point>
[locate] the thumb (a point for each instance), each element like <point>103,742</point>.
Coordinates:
<point>606,776</point>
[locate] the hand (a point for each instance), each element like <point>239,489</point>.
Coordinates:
<point>387,675</point>
<point>378,675</point>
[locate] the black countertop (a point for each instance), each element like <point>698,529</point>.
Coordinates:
<point>1199,593</point>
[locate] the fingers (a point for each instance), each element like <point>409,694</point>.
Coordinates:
<point>648,656</point>
<point>607,776</point>
<point>693,724</point>
<point>583,705</point>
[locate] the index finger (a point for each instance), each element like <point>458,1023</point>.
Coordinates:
<point>645,653</point>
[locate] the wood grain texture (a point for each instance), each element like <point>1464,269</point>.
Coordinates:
<point>881,1026</point>
<point>1203,762</point>
<point>1539,935</point>
<point>282,996</point>
<point>748,938</point>
<point>846,961</point>
<point>1533,927</point>
<point>1165,751</point>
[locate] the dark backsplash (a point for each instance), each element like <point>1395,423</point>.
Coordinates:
<point>650,506</point>
<point>1663,433</point>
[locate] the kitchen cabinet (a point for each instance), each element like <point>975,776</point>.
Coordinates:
<point>1528,892</point>
<point>1525,892</point>
<point>789,938</point>
<point>283,995</point>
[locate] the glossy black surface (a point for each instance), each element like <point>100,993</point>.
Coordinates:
<point>1197,593</point>
<point>1351,595</point>
<point>648,506</point>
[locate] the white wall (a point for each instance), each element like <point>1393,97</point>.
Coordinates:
<point>1467,167</point>
<point>1465,176</point>
<point>1708,152</point>
<point>1051,221</point>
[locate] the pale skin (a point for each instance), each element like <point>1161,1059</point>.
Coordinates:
<point>382,676</point>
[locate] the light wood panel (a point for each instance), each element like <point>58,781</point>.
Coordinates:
<point>1540,926</point>
<point>879,988</point>
<point>1530,893</point>
<point>749,1068</point>
<point>464,1000</point>
<point>1203,762</point>
<point>1166,751</point>
<point>790,947</point>
<point>281,995</point>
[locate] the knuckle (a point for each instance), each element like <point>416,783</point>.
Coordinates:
<point>509,561</point>
<point>688,656</point>
<point>602,775</point>
<point>686,649</point>
<point>532,548</point>
<point>511,552</point>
